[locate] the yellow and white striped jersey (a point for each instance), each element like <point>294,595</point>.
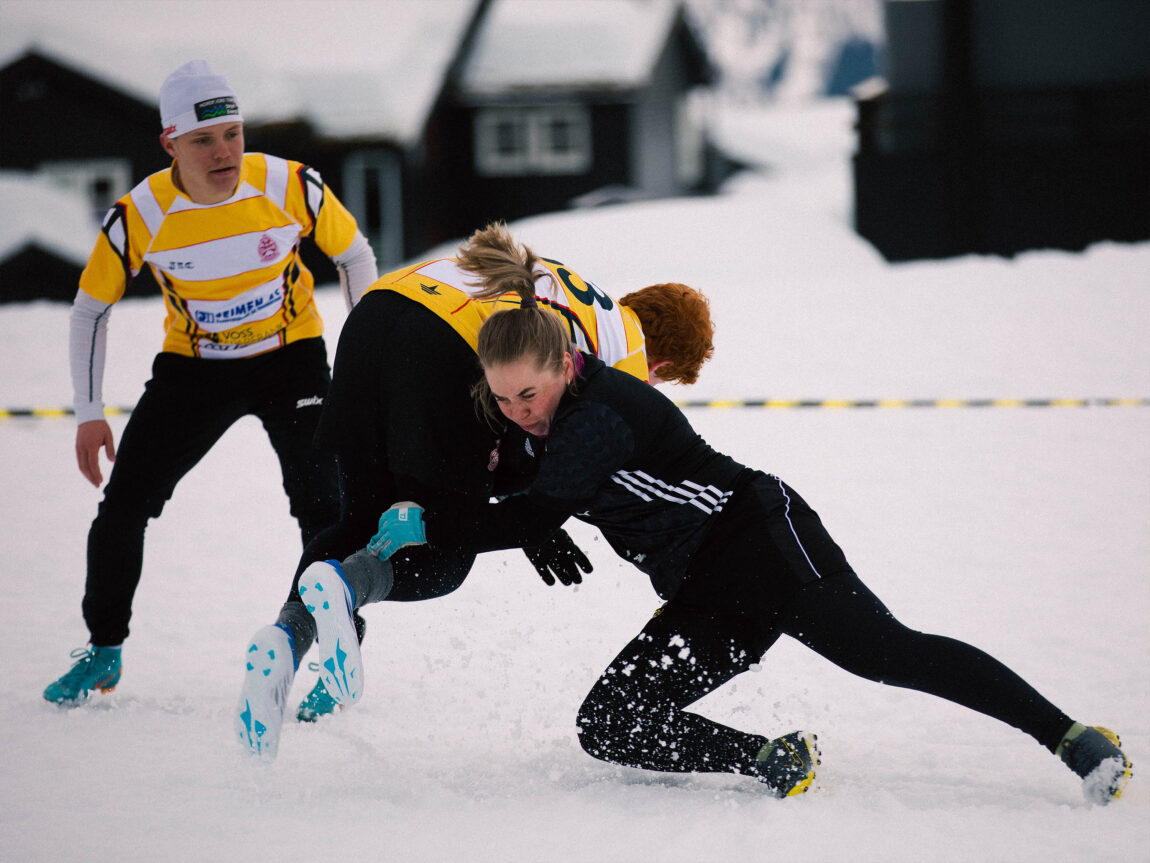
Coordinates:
<point>231,274</point>
<point>598,324</point>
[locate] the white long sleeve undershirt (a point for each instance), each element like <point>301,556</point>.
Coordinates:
<point>357,270</point>
<point>87,349</point>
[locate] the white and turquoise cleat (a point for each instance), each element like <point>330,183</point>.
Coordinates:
<point>328,598</point>
<point>268,677</point>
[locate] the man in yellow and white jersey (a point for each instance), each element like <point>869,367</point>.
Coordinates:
<point>401,420</point>
<point>220,231</point>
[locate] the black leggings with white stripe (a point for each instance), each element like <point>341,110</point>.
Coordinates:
<point>731,610</point>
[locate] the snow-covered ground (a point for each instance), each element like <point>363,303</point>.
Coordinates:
<point>1025,531</point>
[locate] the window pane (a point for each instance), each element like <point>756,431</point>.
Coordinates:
<point>509,137</point>
<point>560,134</point>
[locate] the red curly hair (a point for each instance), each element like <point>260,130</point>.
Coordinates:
<point>676,321</point>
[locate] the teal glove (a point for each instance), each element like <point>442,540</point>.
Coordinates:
<point>400,526</point>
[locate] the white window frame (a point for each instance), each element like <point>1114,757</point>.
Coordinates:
<point>534,150</point>
<point>690,139</point>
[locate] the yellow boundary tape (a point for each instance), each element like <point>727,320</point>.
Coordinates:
<point>53,413</point>
<point>832,404</point>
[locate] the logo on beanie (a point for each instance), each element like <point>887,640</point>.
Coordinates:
<point>213,109</point>
<point>268,250</point>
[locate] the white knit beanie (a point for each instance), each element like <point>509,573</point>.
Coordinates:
<point>193,97</point>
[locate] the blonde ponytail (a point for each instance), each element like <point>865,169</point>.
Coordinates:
<point>502,264</point>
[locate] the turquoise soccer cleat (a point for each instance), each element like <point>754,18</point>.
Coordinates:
<point>318,702</point>
<point>97,668</point>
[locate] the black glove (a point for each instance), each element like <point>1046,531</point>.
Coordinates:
<point>560,558</point>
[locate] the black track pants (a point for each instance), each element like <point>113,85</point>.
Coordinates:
<point>186,407</point>
<point>635,715</point>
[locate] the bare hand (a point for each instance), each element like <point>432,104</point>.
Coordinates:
<point>90,438</point>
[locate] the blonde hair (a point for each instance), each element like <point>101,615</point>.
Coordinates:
<point>503,266</point>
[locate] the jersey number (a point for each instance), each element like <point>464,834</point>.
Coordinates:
<point>588,295</point>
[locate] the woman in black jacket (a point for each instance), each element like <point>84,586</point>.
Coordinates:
<point>737,554</point>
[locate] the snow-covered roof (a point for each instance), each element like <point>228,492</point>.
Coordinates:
<point>352,67</point>
<point>611,44</point>
<point>57,220</point>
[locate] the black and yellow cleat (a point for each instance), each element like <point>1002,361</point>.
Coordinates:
<point>787,764</point>
<point>1095,754</point>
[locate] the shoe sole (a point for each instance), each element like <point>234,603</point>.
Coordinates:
<point>268,677</point>
<point>83,696</point>
<point>328,599</point>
